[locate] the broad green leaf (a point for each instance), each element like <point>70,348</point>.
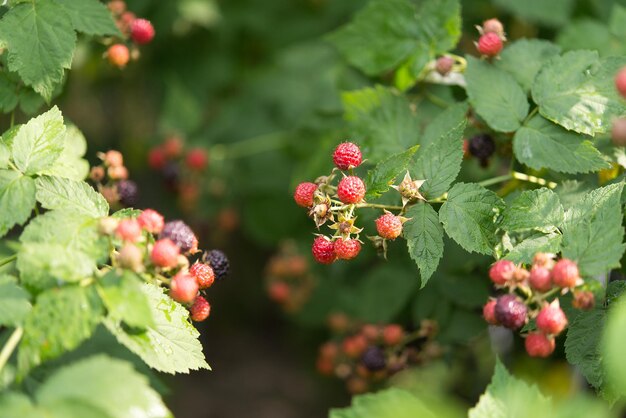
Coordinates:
<point>40,39</point>
<point>495,95</point>
<point>389,403</point>
<point>125,300</point>
<point>385,173</point>
<point>90,17</point>
<point>582,345</point>
<point>60,320</point>
<point>39,143</point>
<point>9,96</point>
<point>57,193</point>
<point>524,58</point>
<point>538,142</point>
<point>424,237</point>
<point>617,23</point>
<point>5,154</point>
<point>549,13</point>
<point>525,251</point>
<point>612,347</point>
<point>70,164</point>
<point>468,216</point>
<point>534,209</point>
<point>17,199</point>
<point>444,122</point>
<point>589,34</point>
<point>577,91</point>
<point>593,233</point>
<point>14,302</point>
<point>172,345</point>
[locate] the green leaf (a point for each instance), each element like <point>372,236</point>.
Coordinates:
<point>124,299</point>
<point>495,95</point>
<point>384,174</point>
<point>549,13</point>
<point>524,58</point>
<point>90,17</point>
<point>172,345</point>
<point>74,196</point>
<point>593,232</point>
<point>389,403</point>
<point>617,23</point>
<point>468,216</point>
<point>525,251</point>
<point>70,164</point>
<point>582,345</point>
<point>589,34</point>
<point>17,199</point>
<point>40,40</point>
<point>5,154</point>
<point>14,302</point>
<point>534,209</point>
<point>9,96</point>
<point>612,346</point>
<point>39,143</point>
<point>60,320</point>
<point>538,141</point>
<point>424,236</point>
<point>577,91</point>
<point>444,122</point>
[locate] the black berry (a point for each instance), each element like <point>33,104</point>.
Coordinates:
<point>180,233</point>
<point>218,262</point>
<point>171,175</point>
<point>128,192</point>
<point>510,311</point>
<point>482,147</point>
<point>374,358</point>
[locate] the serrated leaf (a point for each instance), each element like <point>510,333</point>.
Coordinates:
<point>17,199</point>
<point>524,58</point>
<point>577,91</point>
<point>582,345</point>
<point>125,300</point>
<point>468,216</point>
<point>90,17</point>
<point>593,233</point>
<point>424,238</point>
<point>14,302</point>
<point>612,346</point>
<point>389,403</point>
<point>617,24</point>
<point>534,209</point>
<point>9,96</point>
<point>381,177</point>
<point>525,251</point>
<point>550,13</point>
<point>589,34</point>
<point>495,95</point>
<point>57,193</point>
<point>172,345</point>
<point>5,154</point>
<point>538,141</point>
<point>40,40</point>
<point>444,122</point>
<point>70,163</point>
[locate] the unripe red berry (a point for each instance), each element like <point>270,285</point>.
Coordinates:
<point>565,273</point>
<point>618,132</point>
<point>107,226</point>
<point>493,26</point>
<point>502,271</point>
<point>183,288</point>
<point>324,366</point>
<point>489,44</point>
<point>371,332</point>
<point>540,279</point>
<point>157,158</point>
<point>131,257</point>
<point>347,249</point>
<point>197,159</point>
<point>389,226</point>
<point>279,292</point>
<point>338,322</point>
<point>304,194</point>
<point>510,311</point>
<point>357,385</point>
<point>543,260</point>
<point>118,55</point>
<point>96,173</point>
<point>204,274</point>
<point>551,319</point>
<point>173,146</point>
<point>329,350</point>
<point>539,345</point>
<point>351,189</point>
<point>620,82</point>
<point>165,253</point>
<point>128,230</point>
<point>200,310</point>
<point>151,220</point>
<point>393,334</point>
<point>117,7</point>
<point>354,346</point>
<point>444,64</point>
<point>347,155</point>
<point>489,312</point>
<point>125,21</point>
<point>584,300</point>
<point>323,250</point>
<point>142,31</point>
<point>117,172</point>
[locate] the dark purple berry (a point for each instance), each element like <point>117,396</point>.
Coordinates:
<point>171,175</point>
<point>128,192</point>
<point>374,358</point>
<point>180,233</point>
<point>482,147</point>
<point>218,262</point>
<point>510,311</point>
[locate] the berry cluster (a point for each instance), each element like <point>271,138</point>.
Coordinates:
<point>149,245</point>
<point>618,131</point>
<point>371,354</point>
<point>111,180</point>
<point>492,38</point>
<point>336,204</point>
<point>289,282</point>
<point>139,30</point>
<point>546,278</point>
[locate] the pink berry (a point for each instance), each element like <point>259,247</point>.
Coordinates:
<point>389,226</point>
<point>142,31</point>
<point>551,319</point>
<point>183,288</point>
<point>165,253</point>
<point>489,312</point>
<point>324,250</point>
<point>131,257</point>
<point>540,279</point>
<point>618,132</point>
<point>502,271</point>
<point>493,25</point>
<point>204,274</point>
<point>565,273</point>
<point>539,345</point>
<point>200,310</point>
<point>444,64</point>
<point>347,155</point>
<point>279,292</point>
<point>351,189</point>
<point>151,220</point>
<point>304,194</point>
<point>489,44</point>
<point>128,230</point>
<point>197,159</point>
<point>620,82</point>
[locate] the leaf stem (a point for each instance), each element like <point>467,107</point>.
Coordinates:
<point>9,347</point>
<point>366,205</point>
<point>12,118</point>
<point>530,115</point>
<point>7,260</point>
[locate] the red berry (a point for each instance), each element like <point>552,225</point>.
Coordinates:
<point>351,189</point>
<point>304,194</point>
<point>279,292</point>
<point>510,311</point>
<point>183,288</point>
<point>489,312</point>
<point>444,64</point>
<point>200,310</point>
<point>584,300</point>
<point>118,55</point>
<point>324,250</point>
<point>355,345</point>
<point>540,279</point>
<point>347,155</point>
<point>565,273</point>
<point>493,26</point>
<point>489,44</point>
<point>539,345</point>
<point>551,319</point>
<point>197,159</point>
<point>324,366</point>
<point>389,226</point>
<point>142,31</point>
<point>329,350</point>
<point>157,159</point>
<point>117,172</point>
<point>620,82</point>
<point>347,249</point>
<point>151,220</point>
<point>165,253</point>
<point>371,332</point>
<point>502,271</point>
<point>128,230</point>
<point>204,274</point>
<point>393,334</point>
<point>173,147</point>
<point>117,7</point>
<point>618,132</point>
